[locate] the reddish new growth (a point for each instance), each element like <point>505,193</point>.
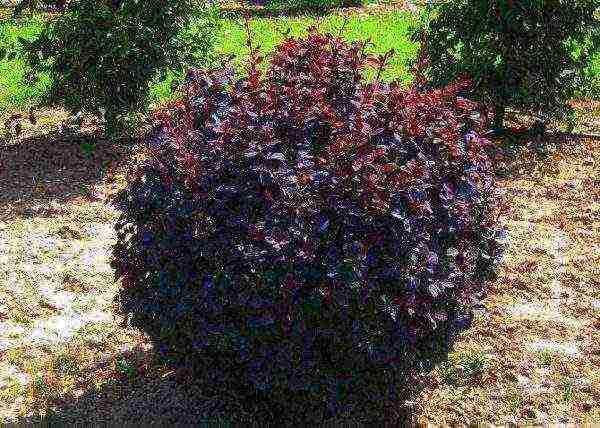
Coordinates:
<point>307,201</point>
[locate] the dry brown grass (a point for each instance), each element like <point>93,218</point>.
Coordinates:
<point>108,372</point>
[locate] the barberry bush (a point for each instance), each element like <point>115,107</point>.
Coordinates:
<point>527,55</point>
<point>102,55</point>
<point>308,226</point>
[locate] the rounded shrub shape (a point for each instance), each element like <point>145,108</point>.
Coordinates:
<point>306,225</point>
<point>102,56</point>
<point>529,55</point>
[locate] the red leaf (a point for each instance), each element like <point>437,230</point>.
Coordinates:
<point>372,61</point>
<point>388,168</point>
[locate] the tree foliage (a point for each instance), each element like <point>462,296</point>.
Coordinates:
<point>529,55</point>
<point>102,55</point>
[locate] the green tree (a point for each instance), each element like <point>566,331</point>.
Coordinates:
<point>529,55</point>
<point>102,55</point>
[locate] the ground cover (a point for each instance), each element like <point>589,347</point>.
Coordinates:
<point>533,358</point>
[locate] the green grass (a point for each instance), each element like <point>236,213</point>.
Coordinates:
<point>594,72</point>
<point>568,392</point>
<point>386,30</point>
<point>464,368</point>
<point>26,27</point>
<point>15,91</point>
<point>160,90</point>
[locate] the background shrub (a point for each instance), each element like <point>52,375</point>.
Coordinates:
<point>591,79</point>
<point>309,4</point>
<point>38,5</point>
<point>101,56</point>
<point>308,227</point>
<point>529,55</point>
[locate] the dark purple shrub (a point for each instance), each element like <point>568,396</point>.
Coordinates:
<point>306,225</point>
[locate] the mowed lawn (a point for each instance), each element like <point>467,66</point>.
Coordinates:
<point>15,91</point>
<point>385,29</point>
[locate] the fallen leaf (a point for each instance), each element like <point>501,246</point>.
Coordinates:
<point>50,306</point>
<point>69,232</point>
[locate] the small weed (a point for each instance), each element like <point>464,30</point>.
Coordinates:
<point>70,232</point>
<point>20,317</point>
<point>39,383</point>
<point>545,358</point>
<point>14,335</point>
<point>473,364</point>
<point>87,149</point>
<point>15,357</point>
<point>42,389</point>
<point>513,400</point>
<point>568,392</point>
<point>86,190</point>
<point>93,334</point>
<point>125,368</point>
<point>449,373</point>
<point>467,368</point>
<point>11,391</point>
<point>66,364</point>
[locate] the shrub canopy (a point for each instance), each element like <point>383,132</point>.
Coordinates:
<point>306,225</point>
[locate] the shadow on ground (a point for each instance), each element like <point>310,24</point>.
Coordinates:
<point>182,400</point>
<point>521,158</point>
<point>218,392</point>
<point>148,393</point>
<point>275,12</point>
<point>58,167</point>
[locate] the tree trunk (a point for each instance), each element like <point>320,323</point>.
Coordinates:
<point>111,124</point>
<point>499,115</point>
